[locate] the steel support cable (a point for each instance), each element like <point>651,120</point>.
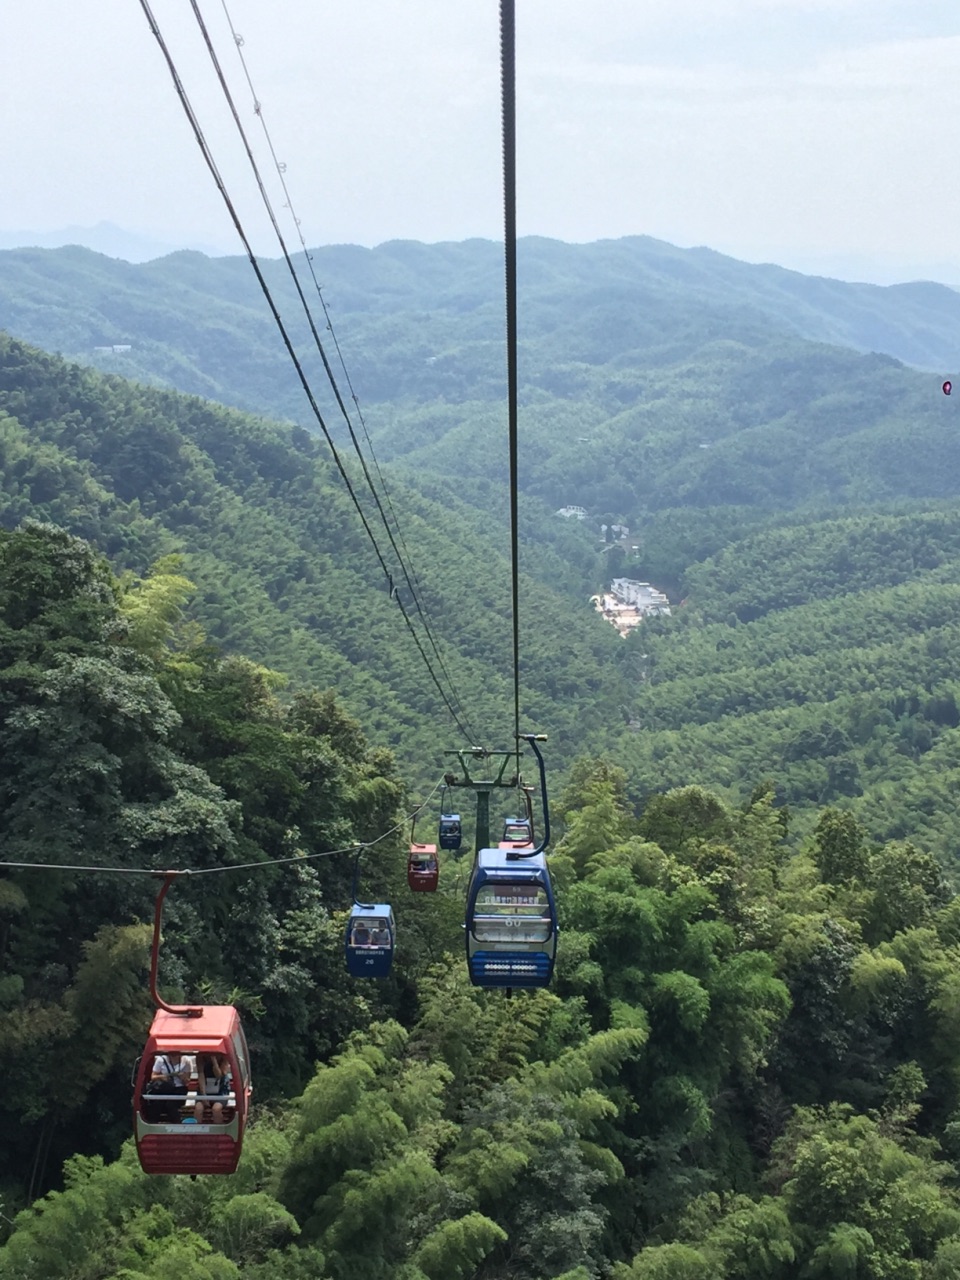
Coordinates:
<point>233,866</point>
<point>185,871</point>
<point>308,258</point>
<point>278,320</point>
<point>508,92</point>
<point>228,96</point>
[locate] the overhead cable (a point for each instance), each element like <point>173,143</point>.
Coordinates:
<point>304,382</point>
<point>228,96</point>
<point>281,167</point>
<point>234,866</point>
<point>508,90</point>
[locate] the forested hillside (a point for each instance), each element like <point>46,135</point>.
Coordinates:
<point>823,654</point>
<point>747,1065</point>
<point>651,377</point>
<point>283,570</point>
<point>748,1061</point>
<point>820,653</point>
<point>208,313</point>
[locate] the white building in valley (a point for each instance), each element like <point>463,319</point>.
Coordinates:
<point>628,602</point>
<point>646,598</point>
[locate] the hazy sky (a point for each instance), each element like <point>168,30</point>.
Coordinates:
<point>807,132</point>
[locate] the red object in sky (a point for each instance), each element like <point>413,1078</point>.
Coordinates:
<point>947,388</point>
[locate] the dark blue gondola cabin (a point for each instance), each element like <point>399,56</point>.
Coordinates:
<point>450,835</point>
<point>423,869</point>
<point>511,923</point>
<point>371,936</point>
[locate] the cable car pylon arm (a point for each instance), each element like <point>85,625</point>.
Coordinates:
<point>466,778</point>
<point>186,1010</point>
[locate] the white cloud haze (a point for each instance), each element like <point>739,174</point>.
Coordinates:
<point>804,132</point>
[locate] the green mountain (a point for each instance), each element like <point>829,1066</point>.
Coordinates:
<point>747,1063</point>
<point>285,573</point>
<point>688,395</point>
<point>822,654</point>
<point>818,652</point>
<point>211,310</point>
<point>651,377</point>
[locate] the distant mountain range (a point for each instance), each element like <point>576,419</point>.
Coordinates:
<point>869,268</point>
<point>105,238</point>
<point>73,299</point>
<point>722,411</point>
<point>651,376</point>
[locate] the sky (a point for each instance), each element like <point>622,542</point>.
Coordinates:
<point>823,135</point>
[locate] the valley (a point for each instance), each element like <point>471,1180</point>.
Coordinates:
<point>207,663</point>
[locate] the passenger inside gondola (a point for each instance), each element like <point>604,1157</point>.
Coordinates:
<point>186,1137</point>
<point>370,933</point>
<point>169,1082</point>
<point>213,1088</point>
<point>423,869</point>
<point>450,834</point>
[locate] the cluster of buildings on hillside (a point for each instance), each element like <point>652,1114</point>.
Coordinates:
<point>628,602</point>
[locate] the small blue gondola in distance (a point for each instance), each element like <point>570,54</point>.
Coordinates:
<point>371,937</point>
<point>450,834</point>
<point>511,922</point>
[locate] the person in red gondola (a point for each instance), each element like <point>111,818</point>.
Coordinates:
<point>172,1076</point>
<point>213,1085</point>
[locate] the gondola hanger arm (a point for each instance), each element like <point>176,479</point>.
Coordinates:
<point>187,1011</point>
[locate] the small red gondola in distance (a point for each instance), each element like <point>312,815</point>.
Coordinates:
<point>174,1142</point>
<point>947,387</point>
<point>423,869</point>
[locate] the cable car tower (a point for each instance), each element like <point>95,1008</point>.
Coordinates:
<point>470,759</point>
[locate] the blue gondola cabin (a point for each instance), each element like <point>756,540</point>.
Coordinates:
<point>516,831</point>
<point>450,834</point>
<point>371,936</point>
<point>511,924</point>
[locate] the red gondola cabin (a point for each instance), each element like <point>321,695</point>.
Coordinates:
<point>179,1129</point>
<point>423,869</point>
